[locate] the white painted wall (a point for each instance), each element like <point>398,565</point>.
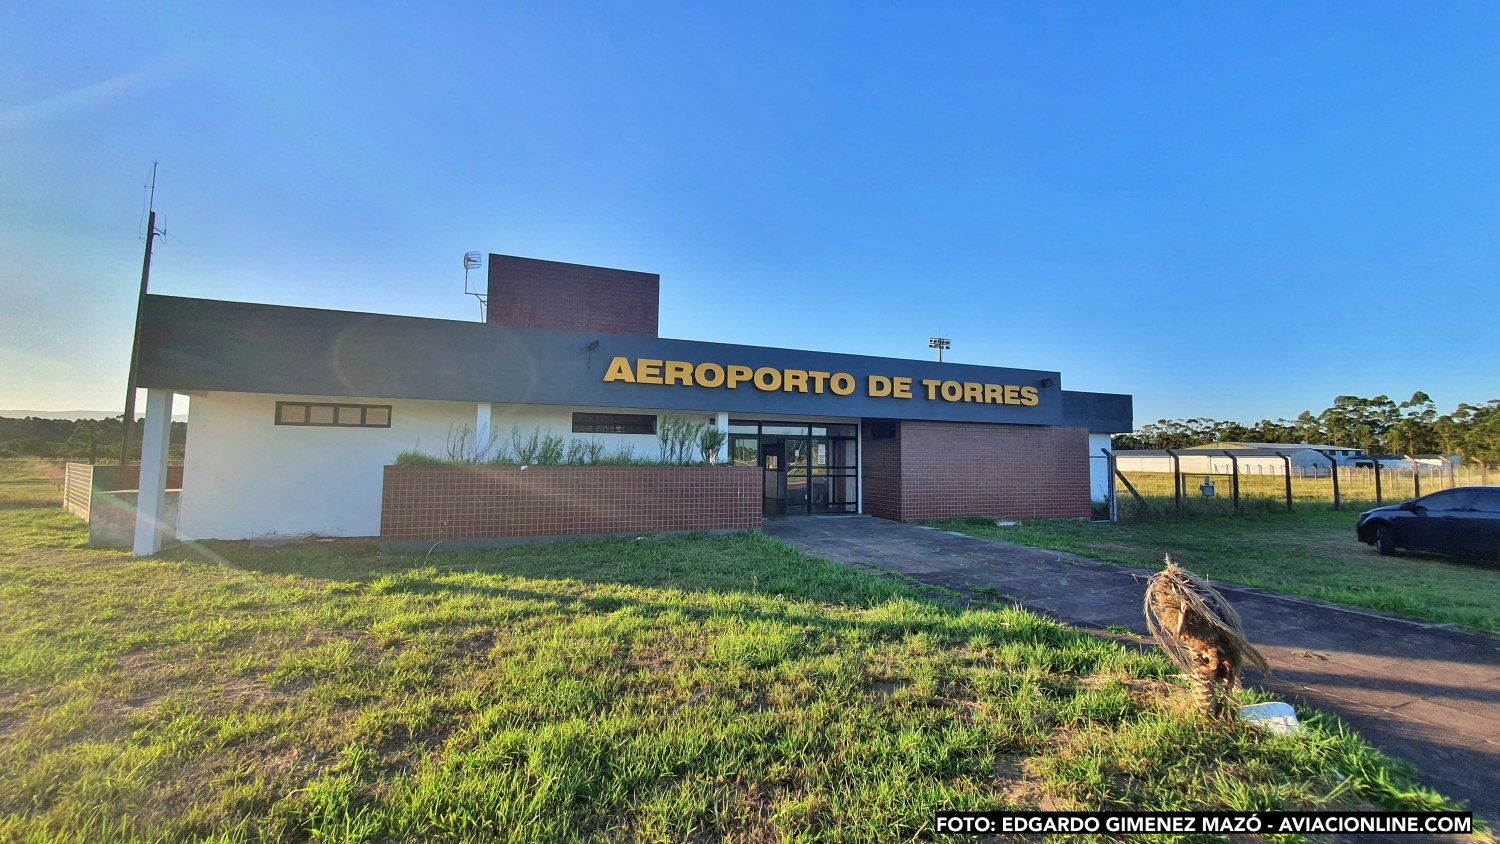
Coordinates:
<point>1098,467</point>
<point>245,476</point>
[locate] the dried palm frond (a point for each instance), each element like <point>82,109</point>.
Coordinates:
<point>1200,633</point>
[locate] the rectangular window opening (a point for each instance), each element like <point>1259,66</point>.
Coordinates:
<point>614,423</point>
<point>333,415</point>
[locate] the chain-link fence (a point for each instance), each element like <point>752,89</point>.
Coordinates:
<point>1162,482</point>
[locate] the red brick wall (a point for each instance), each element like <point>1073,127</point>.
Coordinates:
<point>484,502</point>
<point>881,469</point>
<point>947,469</point>
<point>575,297</point>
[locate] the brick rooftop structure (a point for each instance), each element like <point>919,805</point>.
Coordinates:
<point>572,297</point>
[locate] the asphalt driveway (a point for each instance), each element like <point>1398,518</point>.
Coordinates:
<point>1427,694</point>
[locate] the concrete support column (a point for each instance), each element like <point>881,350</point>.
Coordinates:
<point>721,421</point>
<point>482,431</point>
<point>151,492</point>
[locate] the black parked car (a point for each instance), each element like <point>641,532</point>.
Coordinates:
<point>1464,521</point>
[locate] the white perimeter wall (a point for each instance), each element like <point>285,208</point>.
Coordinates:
<point>245,476</point>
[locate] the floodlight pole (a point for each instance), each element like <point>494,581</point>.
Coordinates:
<point>135,340</point>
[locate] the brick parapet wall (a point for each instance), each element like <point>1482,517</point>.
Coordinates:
<point>496,502</point>
<point>573,297</point>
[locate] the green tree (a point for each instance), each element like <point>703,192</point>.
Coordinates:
<point>1360,422</point>
<point>1414,431</point>
<point>1473,432</point>
<point>97,437</point>
<point>1379,425</point>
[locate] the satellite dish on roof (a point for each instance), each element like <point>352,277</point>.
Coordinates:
<point>473,261</point>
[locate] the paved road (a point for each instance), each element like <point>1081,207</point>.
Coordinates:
<point>1423,693</point>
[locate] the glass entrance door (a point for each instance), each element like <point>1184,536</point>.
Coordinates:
<point>835,475</point>
<point>773,477</point>
<point>812,468</point>
<point>796,474</point>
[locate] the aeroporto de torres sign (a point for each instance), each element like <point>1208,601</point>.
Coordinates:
<point>769,379</point>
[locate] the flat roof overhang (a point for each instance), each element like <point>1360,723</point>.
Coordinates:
<point>191,345</point>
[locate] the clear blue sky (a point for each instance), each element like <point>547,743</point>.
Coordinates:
<point>1232,211</point>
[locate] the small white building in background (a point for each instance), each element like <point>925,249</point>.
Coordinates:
<point>1427,464</point>
<point>1341,453</point>
<point>1307,459</point>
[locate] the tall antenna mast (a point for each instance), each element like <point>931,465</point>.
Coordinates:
<point>473,261</point>
<point>151,201</point>
<point>140,305</point>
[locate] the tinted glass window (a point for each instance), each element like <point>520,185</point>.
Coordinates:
<point>1448,499</point>
<point>775,429</point>
<point>743,451</point>
<point>1487,501</point>
<point>613,423</point>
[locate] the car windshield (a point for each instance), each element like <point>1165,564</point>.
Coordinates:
<point>1448,499</point>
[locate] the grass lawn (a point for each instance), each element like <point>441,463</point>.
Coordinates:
<point>660,689</point>
<point>25,482</point>
<point>1310,552</point>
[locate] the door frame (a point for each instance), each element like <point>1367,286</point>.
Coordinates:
<point>850,432</point>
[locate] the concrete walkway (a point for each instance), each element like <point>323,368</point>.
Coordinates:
<point>1427,694</point>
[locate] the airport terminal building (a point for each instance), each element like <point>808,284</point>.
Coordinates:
<point>298,415</point>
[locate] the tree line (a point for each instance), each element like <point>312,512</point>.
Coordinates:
<point>1379,425</point>
<point>74,439</point>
